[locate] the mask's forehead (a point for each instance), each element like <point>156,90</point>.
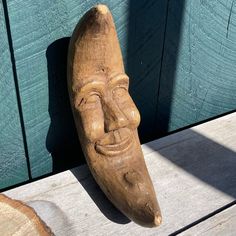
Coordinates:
<point>95,50</point>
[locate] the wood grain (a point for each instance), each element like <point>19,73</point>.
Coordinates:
<point>16,218</point>
<point>220,224</point>
<point>107,119</point>
<point>198,72</point>
<point>145,36</point>
<point>13,168</point>
<point>40,32</point>
<point>197,68</point>
<point>193,172</point>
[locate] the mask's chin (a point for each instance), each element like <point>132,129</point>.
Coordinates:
<point>118,166</point>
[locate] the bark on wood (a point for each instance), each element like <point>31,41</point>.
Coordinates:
<point>16,218</point>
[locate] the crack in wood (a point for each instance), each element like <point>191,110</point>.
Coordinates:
<point>229,19</point>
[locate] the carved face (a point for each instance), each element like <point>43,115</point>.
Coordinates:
<point>107,121</point>
<point>107,118</point>
<point>107,113</point>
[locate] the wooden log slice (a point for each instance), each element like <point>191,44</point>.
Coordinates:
<point>16,218</point>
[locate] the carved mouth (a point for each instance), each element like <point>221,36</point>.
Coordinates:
<point>110,146</point>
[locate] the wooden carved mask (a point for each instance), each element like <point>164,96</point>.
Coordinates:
<point>107,119</point>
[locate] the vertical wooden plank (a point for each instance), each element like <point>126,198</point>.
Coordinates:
<point>145,38</point>
<point>40,31</point>
<point>198,72</point>
<point>13,168</point>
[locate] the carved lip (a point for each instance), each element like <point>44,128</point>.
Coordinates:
<point>114,148</point>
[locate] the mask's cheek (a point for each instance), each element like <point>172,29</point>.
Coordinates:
<point>92,123</point>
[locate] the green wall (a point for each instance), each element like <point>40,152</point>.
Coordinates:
<point>13,167</point>
<point>198,79</point>
<point>180,57</point>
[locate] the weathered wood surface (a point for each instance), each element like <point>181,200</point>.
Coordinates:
<point>107,119</point>
<point>143,58</point>
<point>193,172</point>
<point>223,223</point>
<point>16,218</point>
<point>13,168</point>
<point>198,68</point>
<point>40,31</point>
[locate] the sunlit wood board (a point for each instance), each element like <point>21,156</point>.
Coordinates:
<point>193,172</point>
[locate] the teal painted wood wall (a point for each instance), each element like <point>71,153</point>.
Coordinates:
<point>198,79</point>
<point>180,56</point>
<point>13,165</point>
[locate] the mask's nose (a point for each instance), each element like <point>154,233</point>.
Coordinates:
<point>114,118</point>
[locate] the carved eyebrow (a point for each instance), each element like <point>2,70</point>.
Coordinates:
<point>91,81</point>
<point>93,85</point>
<point>119,79</point>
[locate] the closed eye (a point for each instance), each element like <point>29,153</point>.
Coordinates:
<point>93,98</point>
<point>120,91</point>
<point>89,102</point>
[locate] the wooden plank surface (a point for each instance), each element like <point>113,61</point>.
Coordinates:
<point>13,168</point>
<point>40,31</point>
<point>218,225</point>
<point>193,172</point>
<point>198,72</point>
<point>145,36</point>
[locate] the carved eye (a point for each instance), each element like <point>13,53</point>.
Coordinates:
<point>89,102</point>
<point>120,93</point>
<point>94,98</point>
